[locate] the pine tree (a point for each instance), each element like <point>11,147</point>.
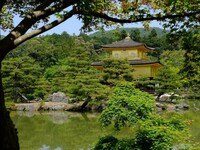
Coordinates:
<point>191,69</point>
<point>75,77</point>
<point>135,35</point>
<point>116,70</point>
<point>20,77</point>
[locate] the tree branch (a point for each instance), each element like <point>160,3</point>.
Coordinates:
<point>45,4</point>
<point>38,14</point>
<point>2,3</point>
<point>15,36</point>
<point>118,20</point>
<point>44,28</point>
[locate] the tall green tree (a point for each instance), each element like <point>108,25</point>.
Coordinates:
<point>169,78</point>
<point>191,68</point>
<point>174,41</point>
<point>78,79</point>
<point>92,13</point>
<point>123,34</point>
<point>154,41</point>
<point>116,70</point>
<point>153,34</point>
<point>169,81</point>
<point>120,34</point>
<point>135,35</point>
<point>21,76</point>
<point>46,49</point>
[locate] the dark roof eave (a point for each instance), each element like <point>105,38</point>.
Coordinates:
<point>143,62</point>
<point>150,48</point>
<point>131,62</point>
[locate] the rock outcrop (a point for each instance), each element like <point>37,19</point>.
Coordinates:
<point>58,97</point>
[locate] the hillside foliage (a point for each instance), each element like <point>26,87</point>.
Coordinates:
<point>62,63</point>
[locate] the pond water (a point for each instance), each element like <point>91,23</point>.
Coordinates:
<point>78,131</point>
<point>60,130</point>
<point>193,116</point>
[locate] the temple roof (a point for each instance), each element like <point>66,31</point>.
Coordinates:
<point>125,43</point>
<point>142,62</point>
<point>131,62</point>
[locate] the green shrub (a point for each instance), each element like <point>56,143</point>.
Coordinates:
<point>126,106</point>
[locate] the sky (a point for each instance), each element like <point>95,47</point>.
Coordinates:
<point>73,25</point>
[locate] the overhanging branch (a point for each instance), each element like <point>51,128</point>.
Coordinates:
<point>44,28</point>
<point>38,14</point>
<point>118,20</point>
<point>18,35</point>
<point>2,2</point>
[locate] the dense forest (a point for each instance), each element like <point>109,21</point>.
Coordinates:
<point>61,62</point>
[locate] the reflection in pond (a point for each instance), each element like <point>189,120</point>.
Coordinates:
<point>193,116</point>
<point>44,147</point>
<point>58,117</point>
<point>59,130</point>
<point>27,113</point>
<point>76,131</point>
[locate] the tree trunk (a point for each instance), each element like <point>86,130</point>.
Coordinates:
<point>8,132</point>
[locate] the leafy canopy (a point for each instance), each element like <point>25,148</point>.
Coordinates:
<point>126,106</point>
<point>130,107</point>
<point>98,11</point>
<point>95,14</point>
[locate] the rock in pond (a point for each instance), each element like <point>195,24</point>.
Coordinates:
<point>26,107</point>
<point>182,106</point>
<point>164,97</point>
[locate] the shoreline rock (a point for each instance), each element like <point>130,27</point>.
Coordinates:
<point>46,106</point>
<point>160,106</point>
<point>60,106</point>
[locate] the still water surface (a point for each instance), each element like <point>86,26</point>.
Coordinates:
<point>193,115</point>
<point>77,131</point>
<point>60,130</point>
